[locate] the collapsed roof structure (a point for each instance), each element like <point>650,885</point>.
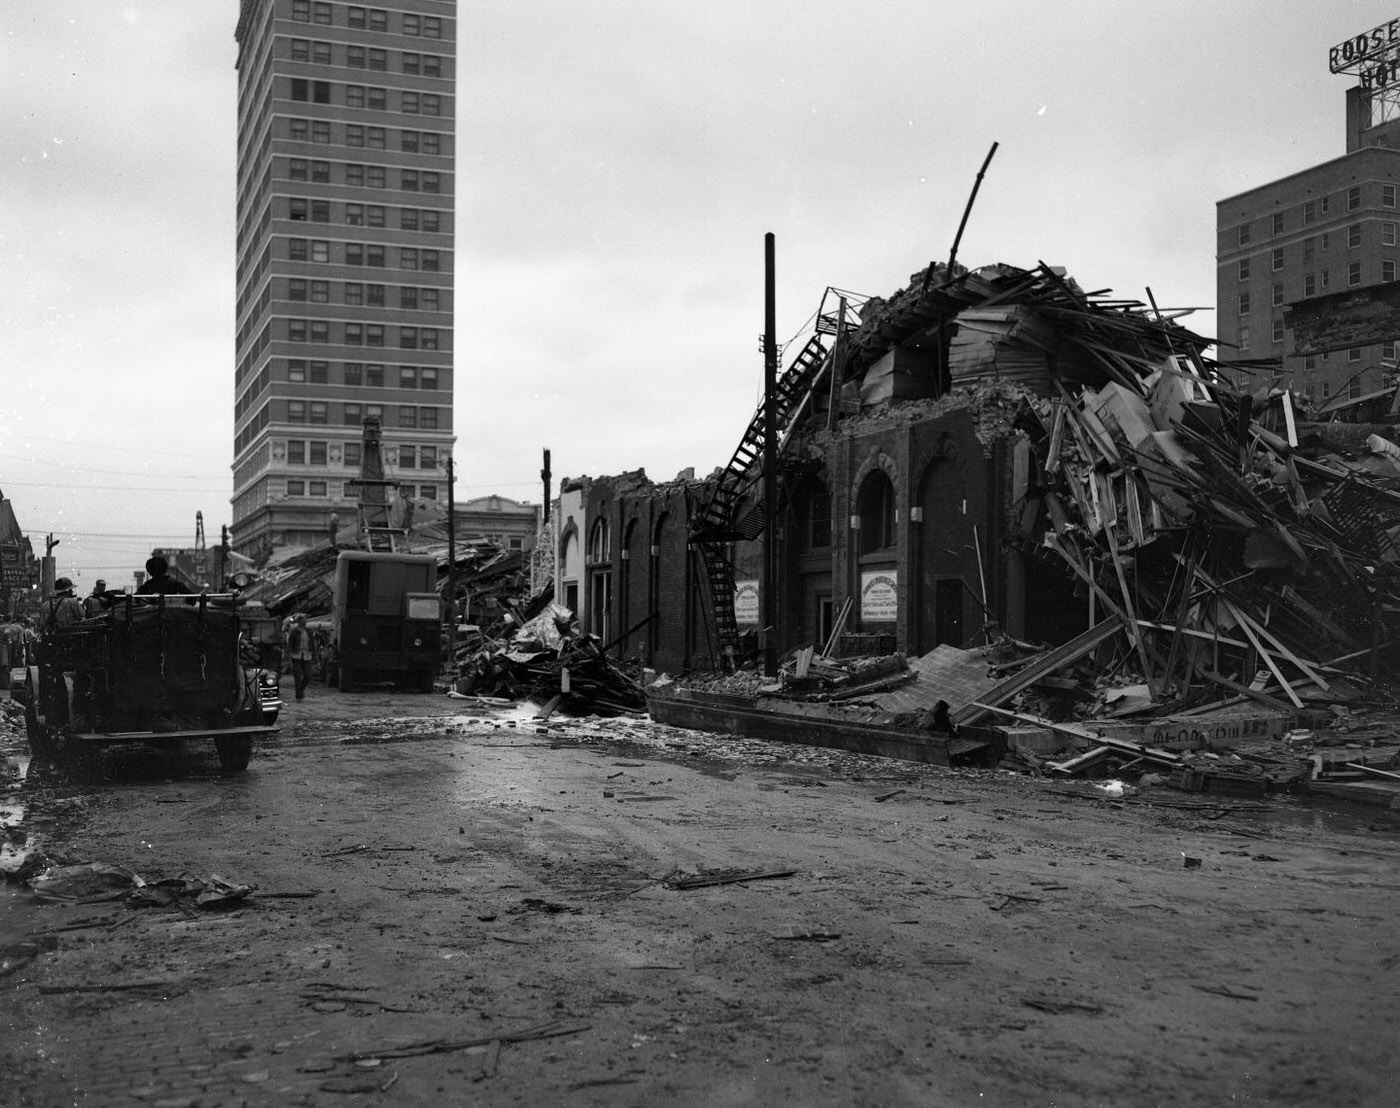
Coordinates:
<point>1215,533</point>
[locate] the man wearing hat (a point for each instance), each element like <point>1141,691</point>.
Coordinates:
<point>97,603</point>
<point>300,654</point>
<point>63,609</point>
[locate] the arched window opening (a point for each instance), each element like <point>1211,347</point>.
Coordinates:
<point>875,510</point>
<point>599,545</point>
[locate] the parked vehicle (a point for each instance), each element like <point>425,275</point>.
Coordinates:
<point>161,670</point>
<point>386,620</point>
<point>262,631</point>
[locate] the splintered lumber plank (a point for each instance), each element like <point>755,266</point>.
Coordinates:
<point>1134,631</point>
<point>1268,658</point>
<point>1269,637</point>
<point>1047,664</point>
<point>1057,435</point>
<point>1244,690</point>
<point>1196,633</point>
<point>1081,761</point>
<point>1124,746</point>
<point>1183,605</point>
<point>1372,769</point>
<point>1085,576</point>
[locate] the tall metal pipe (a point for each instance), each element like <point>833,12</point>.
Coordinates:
<point>770,459</point>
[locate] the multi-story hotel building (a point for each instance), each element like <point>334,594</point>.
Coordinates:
<point>344,271</point>
<point>1324,230</point>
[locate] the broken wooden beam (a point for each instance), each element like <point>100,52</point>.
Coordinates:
<point>1047,664</point>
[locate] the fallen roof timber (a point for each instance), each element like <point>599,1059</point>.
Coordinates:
<point>741,717</point>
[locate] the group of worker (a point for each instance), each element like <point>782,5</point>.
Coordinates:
<point>63,608</point>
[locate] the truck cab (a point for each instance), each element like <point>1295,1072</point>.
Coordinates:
<point>386,620</point>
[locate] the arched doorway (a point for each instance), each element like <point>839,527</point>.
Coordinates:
<point>877,555</point>
<point>944,552</point>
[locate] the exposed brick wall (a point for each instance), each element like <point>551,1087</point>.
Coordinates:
<point>938,465</point>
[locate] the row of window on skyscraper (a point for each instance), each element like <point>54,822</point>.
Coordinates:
<point>311,210</point>
<point>369,97</point>
<point>367,19</point>
<point>1310,209</point>
<point>319,131</point>
<point>411,63</point>
<point>1355,239</point>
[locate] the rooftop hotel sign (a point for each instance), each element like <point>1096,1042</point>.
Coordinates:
<point>1373,56</point>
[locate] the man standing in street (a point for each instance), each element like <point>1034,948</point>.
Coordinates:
<point>300,653</point>
<point>97,603</point>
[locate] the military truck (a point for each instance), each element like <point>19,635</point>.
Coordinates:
<point>386,620</point>
<point>162,670</point>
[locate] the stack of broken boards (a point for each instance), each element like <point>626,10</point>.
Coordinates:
<point>1214,547</point>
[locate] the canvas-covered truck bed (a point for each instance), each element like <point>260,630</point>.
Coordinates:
<point>158,669</point>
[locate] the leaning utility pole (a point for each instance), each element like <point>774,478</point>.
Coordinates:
<point>453,616</point>
<point>546,476</point>
<point>770,460</point>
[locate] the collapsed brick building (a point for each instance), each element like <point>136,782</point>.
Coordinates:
<point>902,475</point>
<point>994,454</point>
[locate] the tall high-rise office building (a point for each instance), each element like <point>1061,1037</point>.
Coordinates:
<point>344,268</point>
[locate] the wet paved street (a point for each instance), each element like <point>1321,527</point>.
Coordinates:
<point>458,905</point>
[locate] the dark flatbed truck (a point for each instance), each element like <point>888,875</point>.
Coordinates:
<point>160,670</point>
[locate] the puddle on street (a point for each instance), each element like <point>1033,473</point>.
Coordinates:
<point>1336,817</point>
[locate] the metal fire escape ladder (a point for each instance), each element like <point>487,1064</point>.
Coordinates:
<point>716,525</point>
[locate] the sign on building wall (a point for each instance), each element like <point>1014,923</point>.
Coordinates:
<point>1359,317</point>
<point>746,602</point>
<point>879,596</point>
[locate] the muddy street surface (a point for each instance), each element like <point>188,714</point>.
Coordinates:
<point>460,905</point>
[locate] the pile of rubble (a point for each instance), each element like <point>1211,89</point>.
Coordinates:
<point>544,659</point>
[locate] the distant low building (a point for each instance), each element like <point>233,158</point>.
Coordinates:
<point>19,568</point>
<point>510,524</point>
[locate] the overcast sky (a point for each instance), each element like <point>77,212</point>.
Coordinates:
<point>619,162</point>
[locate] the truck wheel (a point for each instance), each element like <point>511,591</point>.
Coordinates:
<point>84,759</point>
<point>41,741</point>
<point>234,752</point>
